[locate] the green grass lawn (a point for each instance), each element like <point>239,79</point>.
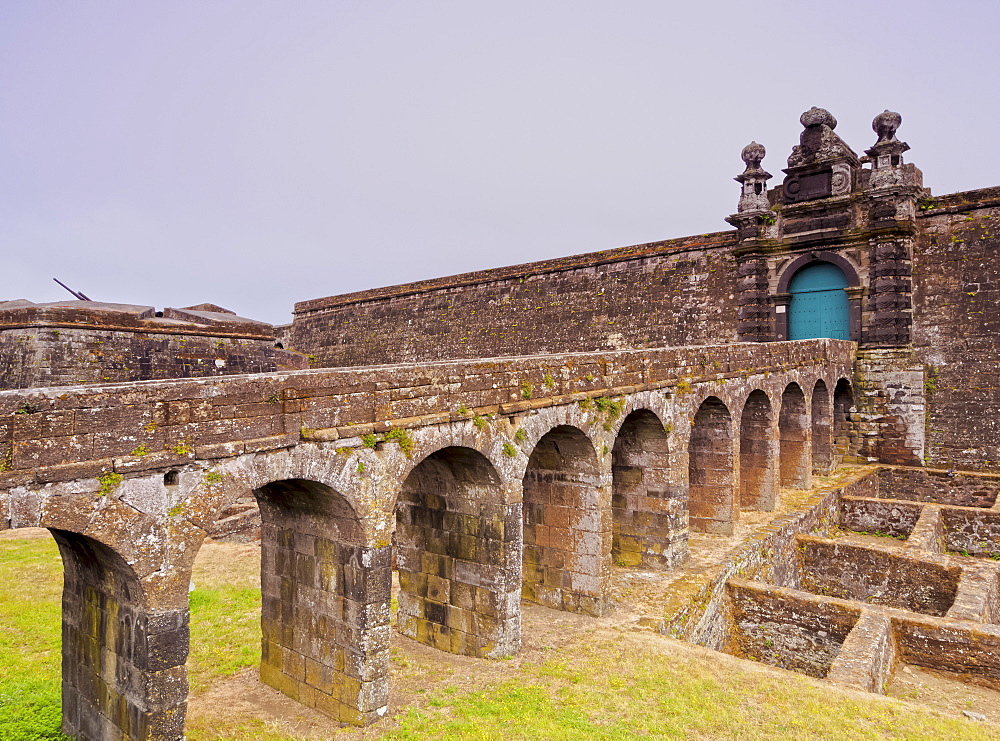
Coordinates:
<point>230,615</point>
<point>643,695</point>
<point>598,688</point>
<point>30,640</point>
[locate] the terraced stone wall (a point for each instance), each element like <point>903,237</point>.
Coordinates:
<point>866,579</point>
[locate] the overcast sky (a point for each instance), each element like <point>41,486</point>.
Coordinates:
<point>254,154</point>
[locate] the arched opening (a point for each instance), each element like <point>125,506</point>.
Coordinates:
<point>793,434</point>
<point>123,665</point>
<point>647,511</point>
<point>325,602</point>
<point>822,429</point>
<point>845,441</point>
<point>711,479</point>
<point>120,670</point>
<point>819,305</point>
<point>758,488</point>
<point>567,536</point>
<point>457,556</point>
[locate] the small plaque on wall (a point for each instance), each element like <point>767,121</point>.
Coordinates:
<point>807,187</point>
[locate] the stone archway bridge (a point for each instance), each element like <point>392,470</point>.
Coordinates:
<point>482,481</point>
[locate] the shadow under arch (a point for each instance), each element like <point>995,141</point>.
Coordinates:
<point>711,480</point>
<point>457,554</point>
<point>325,602</point>
<point>758,482</point>
<point>567,528</point>
<point>647,506</point>
<point>821,412</point>
<point>845,431</point>
<point>793,434</point>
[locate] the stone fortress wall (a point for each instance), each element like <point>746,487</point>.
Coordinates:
<point>924,298</point>
<point>651,295</point>
<point>66,343</point>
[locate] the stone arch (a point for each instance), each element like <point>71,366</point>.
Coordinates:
<point>646,507</point>
<point>789,271</point>
<point>567,531</point>
<point>845,433</point>
<point>124,606</point>
<point>208,494</point>
<point>457,555</point>
<point>758,483</point>
<point>793,436</point>
<point>821,412</point>
<point>784,279</point>
<point>123,662</point>
<point>711,476</point>
<point>325,602</point>
<point>431,441</point>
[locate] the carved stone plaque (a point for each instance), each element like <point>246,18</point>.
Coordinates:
<point>806,187</point>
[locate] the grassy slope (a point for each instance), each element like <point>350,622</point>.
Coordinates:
<point>633,686</point>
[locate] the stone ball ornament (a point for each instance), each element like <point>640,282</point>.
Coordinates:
<point>885,125</point>
<point>752,155</point>
<point>817,117</point>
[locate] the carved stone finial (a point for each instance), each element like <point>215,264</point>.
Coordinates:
<point>819,143</point>
<point>752,154</point>
<point>886,155</point>
<point>753,179</point>
<point>816,117</point>
<point>885,125</point>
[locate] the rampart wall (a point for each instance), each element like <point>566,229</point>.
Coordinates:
<point>77,342</point>
<point>933,400</point>
<point>673,293</point>
<point>956,327</point>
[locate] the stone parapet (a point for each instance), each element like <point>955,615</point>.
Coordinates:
<point>133,426</point>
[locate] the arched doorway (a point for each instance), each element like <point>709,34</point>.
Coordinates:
<point>819,304</point>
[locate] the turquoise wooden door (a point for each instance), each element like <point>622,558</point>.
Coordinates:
<point>819,303</point>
